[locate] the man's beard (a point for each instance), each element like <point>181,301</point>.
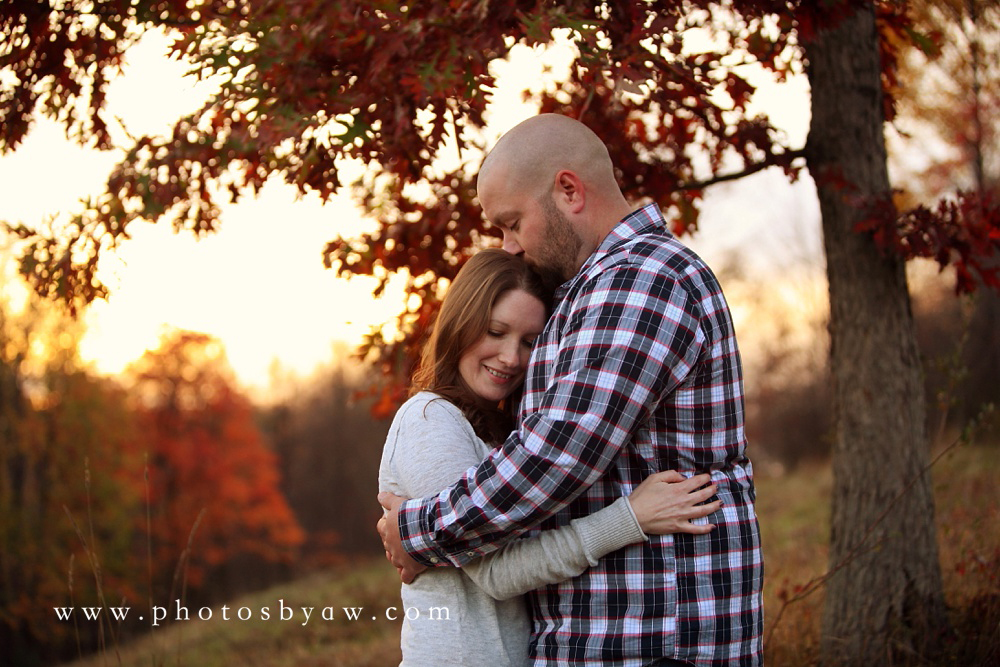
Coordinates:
<point>556,263</point>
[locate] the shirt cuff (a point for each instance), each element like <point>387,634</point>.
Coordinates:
<point>635,520</point>
<point>417,538</point>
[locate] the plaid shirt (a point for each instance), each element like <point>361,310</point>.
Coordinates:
<point>637,371</point>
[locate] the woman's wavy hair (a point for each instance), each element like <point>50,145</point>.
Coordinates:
<point>463,319</point>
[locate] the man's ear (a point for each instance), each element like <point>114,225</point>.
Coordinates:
<point>568,191</point>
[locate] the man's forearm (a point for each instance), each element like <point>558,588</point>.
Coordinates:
<point>420,540</point>
<point>513,490</point>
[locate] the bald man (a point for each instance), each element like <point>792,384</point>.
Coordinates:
<point>637,371</point>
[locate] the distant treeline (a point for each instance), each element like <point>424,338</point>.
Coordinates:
<point>126,492</point>
<point>789,408</point>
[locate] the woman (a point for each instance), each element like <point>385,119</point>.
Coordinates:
<point>462,404</point>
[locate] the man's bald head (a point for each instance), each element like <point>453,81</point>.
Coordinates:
<point>550,187</point>
<point>534,151</point>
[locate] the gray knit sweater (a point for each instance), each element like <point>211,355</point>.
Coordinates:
<point>476,615</point>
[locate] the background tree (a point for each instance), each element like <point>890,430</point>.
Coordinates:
<point>92,475</point>
<point>951,92</point>
<point>67,493</point>
<point>213,484</point>
<point>326,438</point>
<point>881,451</point>
<point>949,139</point>
<point>404,87</point>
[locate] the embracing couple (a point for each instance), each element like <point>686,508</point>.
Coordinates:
<point>574,443</point>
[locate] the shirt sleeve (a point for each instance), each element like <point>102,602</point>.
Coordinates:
<point>555,555</point>
<point>630,336</point>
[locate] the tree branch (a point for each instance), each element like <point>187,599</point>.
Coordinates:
<point>787,156</point>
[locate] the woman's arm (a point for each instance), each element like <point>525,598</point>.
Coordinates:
<point>555,555</point>
<point>665,502</point>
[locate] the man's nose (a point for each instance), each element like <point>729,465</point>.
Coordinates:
<point>510,245</point>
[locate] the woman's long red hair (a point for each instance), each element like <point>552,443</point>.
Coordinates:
<point>464,318</point>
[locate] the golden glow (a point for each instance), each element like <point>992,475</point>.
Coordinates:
<point>258,284</point>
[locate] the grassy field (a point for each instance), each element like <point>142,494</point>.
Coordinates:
<point>794,511</point>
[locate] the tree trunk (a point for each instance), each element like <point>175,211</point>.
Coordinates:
<point>885,598</point>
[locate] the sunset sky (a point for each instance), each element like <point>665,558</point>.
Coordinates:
<point>259,284</point>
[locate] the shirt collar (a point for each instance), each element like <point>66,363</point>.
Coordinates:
<point>640,221</point>
<point>645,220</point>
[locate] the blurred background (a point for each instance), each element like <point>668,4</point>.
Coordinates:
<point>208,431</point>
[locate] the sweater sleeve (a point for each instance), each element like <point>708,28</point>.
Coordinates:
<point>555,555</point>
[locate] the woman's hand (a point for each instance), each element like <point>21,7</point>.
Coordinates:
<point>666,502</point>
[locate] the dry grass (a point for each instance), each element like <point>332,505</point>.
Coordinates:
<point>795,519</point>
<point>794,512</point>
<point>339,640</point>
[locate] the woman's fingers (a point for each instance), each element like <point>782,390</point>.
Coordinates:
<point>702,494</point>
<point>668,502</point>
<point>700,511</point>
<point>698,481</point>
<point>674,477</point>
<point>696,528</point>
<point>665,477</point>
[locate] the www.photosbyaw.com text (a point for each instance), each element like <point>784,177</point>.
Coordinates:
<point>281,613</point>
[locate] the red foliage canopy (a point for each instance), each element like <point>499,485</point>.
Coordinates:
<point>963,232</point>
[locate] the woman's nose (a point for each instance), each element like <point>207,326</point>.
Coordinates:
<point>509,355</point>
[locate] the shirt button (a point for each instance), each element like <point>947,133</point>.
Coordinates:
<point>435,560</point>
<point>471,554</point>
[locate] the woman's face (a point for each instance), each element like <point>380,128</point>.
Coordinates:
<point>494,366</point>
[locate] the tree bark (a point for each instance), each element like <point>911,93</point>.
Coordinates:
<point>885,597</point>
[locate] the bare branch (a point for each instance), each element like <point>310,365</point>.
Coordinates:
<point>785,158</point>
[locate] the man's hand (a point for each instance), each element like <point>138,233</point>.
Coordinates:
<point>388,529</point>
